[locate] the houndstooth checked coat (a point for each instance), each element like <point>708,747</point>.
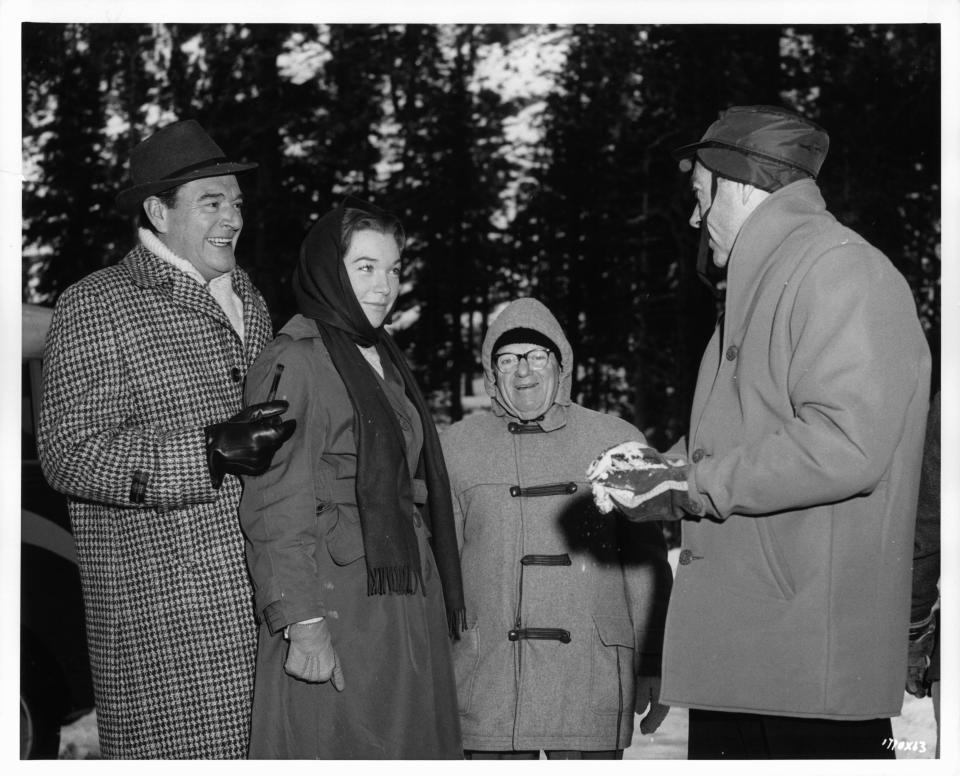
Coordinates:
<point>139,359</point>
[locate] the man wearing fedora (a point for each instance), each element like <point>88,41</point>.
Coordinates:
<point>797,483</point>
<point>141,427</point>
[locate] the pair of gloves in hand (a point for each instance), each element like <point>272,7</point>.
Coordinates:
<point>645,484</point>
<point>246,443</point>
<point>921,642</point>
<point>311,656</point>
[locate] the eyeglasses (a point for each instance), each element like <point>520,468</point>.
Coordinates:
<point>537,359</point>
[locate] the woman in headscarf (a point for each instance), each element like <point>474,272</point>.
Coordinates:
<point>350,537</point>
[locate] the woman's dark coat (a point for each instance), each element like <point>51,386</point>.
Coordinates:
<point>306,557</point>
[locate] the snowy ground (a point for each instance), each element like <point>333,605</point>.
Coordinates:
<point>915,724</point>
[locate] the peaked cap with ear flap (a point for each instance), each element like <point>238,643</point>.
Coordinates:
<point>761,145</point>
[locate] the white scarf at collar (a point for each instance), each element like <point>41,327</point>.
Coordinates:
<point>220,288</point>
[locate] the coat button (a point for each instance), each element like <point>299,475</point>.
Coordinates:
<point>732,352</point>
<point>697,455</point>
<point>687,557</point>
<point>236,375</point>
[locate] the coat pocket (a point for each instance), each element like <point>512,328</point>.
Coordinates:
<point>611,686</point>
<point>466,660</point>
<point>345,538</point>
<point>775,560</point>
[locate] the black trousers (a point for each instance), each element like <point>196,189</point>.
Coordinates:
<point>612,754</point>
<point>721,735</point>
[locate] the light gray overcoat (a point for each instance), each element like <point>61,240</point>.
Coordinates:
<point>793,591</point>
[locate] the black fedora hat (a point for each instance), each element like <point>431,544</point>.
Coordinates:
<point>178,153</point>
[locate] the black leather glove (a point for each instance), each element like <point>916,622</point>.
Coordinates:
<point>245,444</point>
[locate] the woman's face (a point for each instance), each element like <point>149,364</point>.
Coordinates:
<point>373,265</point>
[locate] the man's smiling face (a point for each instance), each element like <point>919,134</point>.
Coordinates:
<point>204,225</point>
<point>527,393</point>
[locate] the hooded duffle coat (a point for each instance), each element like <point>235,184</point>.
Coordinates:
<point>793,590</point>
<point>536,554</point>
<point>139,359</point>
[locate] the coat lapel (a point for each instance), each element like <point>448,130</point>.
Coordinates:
<point>150,271</point>
<point>256,326</point>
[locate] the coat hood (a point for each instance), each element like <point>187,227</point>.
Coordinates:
<point>528,313</point>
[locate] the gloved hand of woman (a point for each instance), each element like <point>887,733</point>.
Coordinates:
<point>311,656</point>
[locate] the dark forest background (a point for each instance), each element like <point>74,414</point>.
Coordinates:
<point>590,217</point>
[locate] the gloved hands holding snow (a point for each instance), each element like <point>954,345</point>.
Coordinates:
<point>643,483</point>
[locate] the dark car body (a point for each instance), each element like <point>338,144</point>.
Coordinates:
<point>55,682</point>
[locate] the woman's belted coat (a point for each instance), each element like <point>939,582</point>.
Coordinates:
<point>565,606</point>
<point>306,556</point>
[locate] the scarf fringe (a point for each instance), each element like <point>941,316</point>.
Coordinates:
<point>394,579</point>
<point>457,621</point>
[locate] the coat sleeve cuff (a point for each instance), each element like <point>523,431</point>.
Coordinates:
<point>280,614</point>
<point>698,503</point>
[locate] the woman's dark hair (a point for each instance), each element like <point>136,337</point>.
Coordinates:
<point>168,198</point>
<point>356,220</point>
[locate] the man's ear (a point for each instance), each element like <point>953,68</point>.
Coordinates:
<point>753,196</point>
<point>157,213</point>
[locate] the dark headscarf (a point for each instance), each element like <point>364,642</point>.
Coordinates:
<point>384,489</point>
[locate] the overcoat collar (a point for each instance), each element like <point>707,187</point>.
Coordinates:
<point>755,252</point>
<point>300,327</point>
<point>148,270</point>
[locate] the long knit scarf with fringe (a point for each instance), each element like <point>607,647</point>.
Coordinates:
<point>384,488</point>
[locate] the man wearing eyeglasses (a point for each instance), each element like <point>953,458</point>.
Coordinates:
<point>565,607</point>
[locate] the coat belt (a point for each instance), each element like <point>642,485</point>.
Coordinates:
<point>345,491</point>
